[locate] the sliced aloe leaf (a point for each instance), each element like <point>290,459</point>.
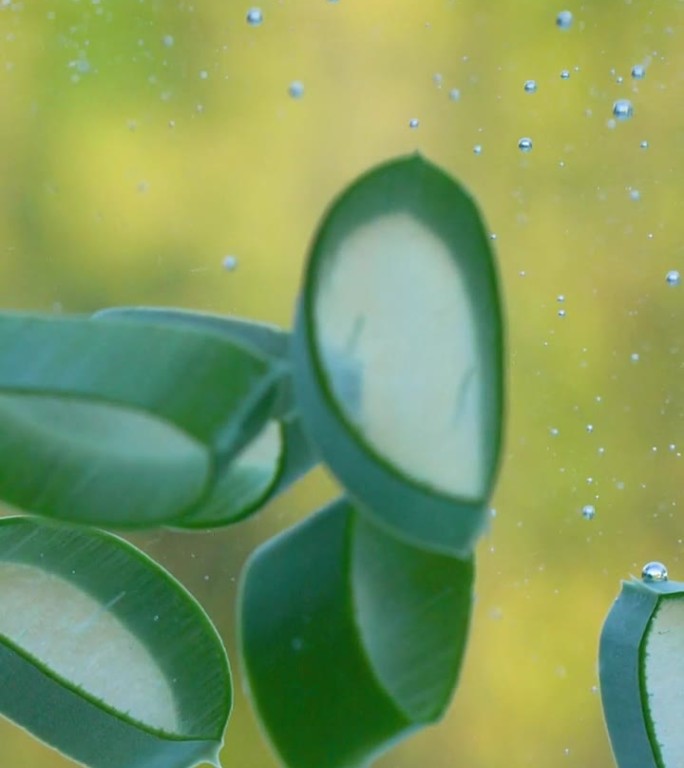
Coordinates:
<point>350,638</point>
<point>279,453</point>
<point>90,408</point>
<point>641,670</point>
<point>103,655</point>
<point>398,353</point>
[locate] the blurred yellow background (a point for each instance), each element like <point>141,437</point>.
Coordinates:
<point>141,142</point>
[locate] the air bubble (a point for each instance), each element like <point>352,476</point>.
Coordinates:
<point>644,144</point>
<point>454,94</point>
<point>230,263</point>
<point>638,72</point>
<point>414,122</point>
<point>525,144</point>
<point>254,17</point>
<point>635,194</point>
<point>623,109</point>
<point>168,41</point>
<point>564,20</point>
<point>673,277</point>
<point>477,149</point>
<point>588,511</point>
<point>296,89</point>
<point>654,571</point>
<point>565,75</point>
<point>530,86</point>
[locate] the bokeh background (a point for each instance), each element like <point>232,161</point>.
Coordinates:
<point>142,142</point>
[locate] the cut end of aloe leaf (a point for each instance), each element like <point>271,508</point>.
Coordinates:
<point>78,639</point>
<point>351,639</point>
<point>103,655</point>
<point>641,665</point>
<point>398,353</point>
<point>397,334</point>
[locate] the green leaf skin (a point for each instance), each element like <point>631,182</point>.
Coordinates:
<point>88,408</point>
<point>350,638</point>
<point>103,655</point>
<point>276,452</point>
<point>642,674</point>
<point>398,354</point>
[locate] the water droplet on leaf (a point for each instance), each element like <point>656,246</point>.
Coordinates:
<point>654,571</point>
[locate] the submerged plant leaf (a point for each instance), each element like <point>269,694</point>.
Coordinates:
<point>350,638</point>
<point>641,670</point>
<point>103,655</point>
<point>275,451</point>
<point>398,353</point>
<point>118,423</point>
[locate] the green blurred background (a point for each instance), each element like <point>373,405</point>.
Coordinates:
<point>141,142</point>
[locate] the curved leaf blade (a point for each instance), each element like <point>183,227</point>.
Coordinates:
<point>398,352</point>
<point>103,655</point>
<point>350,638</point>
<point>88,408</point>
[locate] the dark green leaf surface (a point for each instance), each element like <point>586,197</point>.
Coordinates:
<point>641,674</point>
<point>398,353</point>
<point>350,638</point>
<point>103,655</point>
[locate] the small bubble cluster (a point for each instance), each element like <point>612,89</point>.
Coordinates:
<point>654,571</point>
<point>623,109</point>
<point>564,20</point>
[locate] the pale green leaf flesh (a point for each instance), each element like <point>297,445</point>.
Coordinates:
<point>664,679</point>
<point>396,328</point>
<point>79,640</point>
<point>103,655</point>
